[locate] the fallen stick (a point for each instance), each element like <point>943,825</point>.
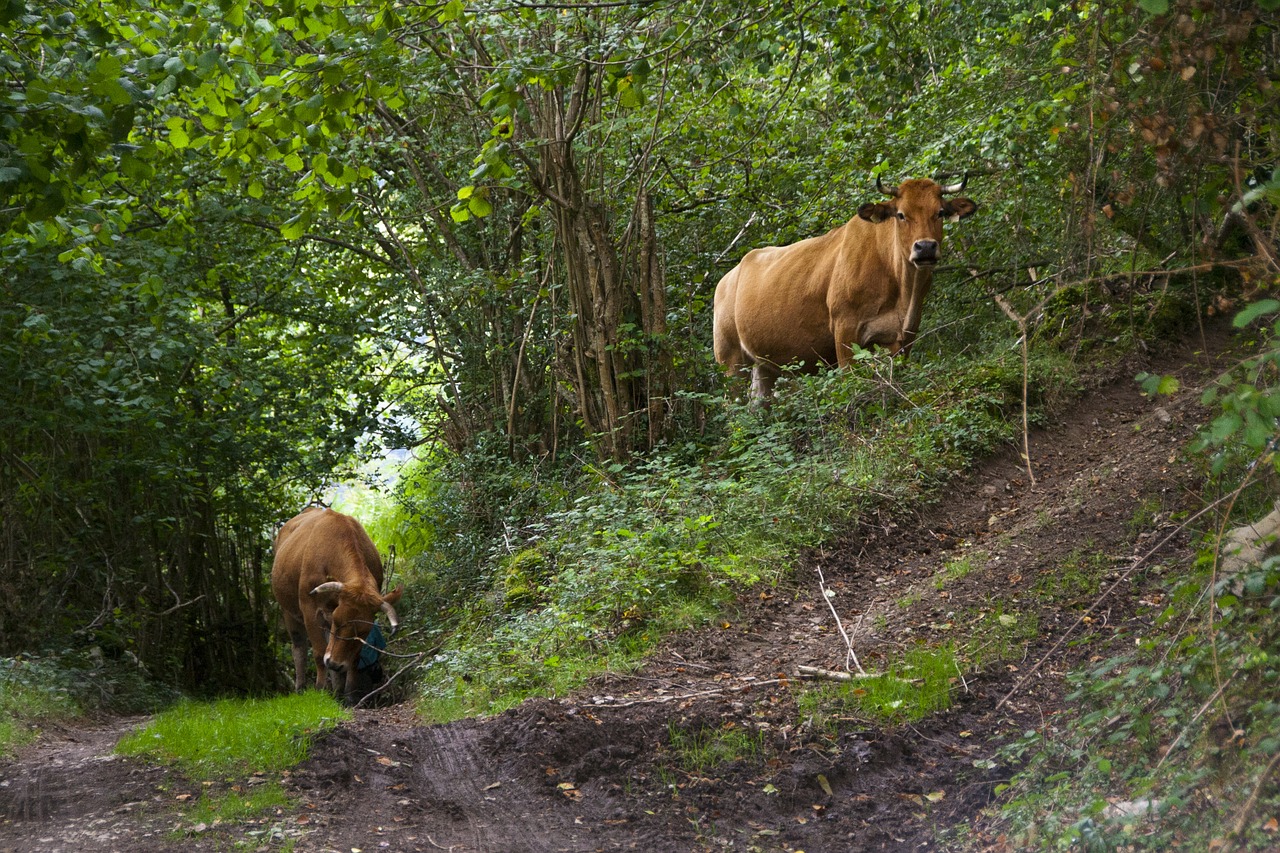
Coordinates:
<point>834,675</point>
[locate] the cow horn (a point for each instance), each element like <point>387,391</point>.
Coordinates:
<point>955,188</point>
<point>391,615</point>
<point>327,586</point>
<point>891,191</point>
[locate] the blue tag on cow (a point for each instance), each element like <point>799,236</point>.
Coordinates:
<point>373,646</point>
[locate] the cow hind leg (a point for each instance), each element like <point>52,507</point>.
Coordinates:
<point>763,377</point>
<point>300,643</point>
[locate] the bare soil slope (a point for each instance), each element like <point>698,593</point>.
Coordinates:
<point>596,771</point>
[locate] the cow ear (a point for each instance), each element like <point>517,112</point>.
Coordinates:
<point>959,208</point>
<point>394,596</point>
<point>877,211</point>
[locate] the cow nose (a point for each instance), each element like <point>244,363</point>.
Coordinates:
<point>334,665</point>
<point>925,251</point>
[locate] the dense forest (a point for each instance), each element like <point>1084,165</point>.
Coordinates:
<point>250,246</point>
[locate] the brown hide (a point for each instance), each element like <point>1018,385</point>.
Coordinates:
<point>862,283</point>
<point>314,552</point>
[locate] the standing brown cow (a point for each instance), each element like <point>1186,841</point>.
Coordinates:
<point>327,576</point>
<point>862,283</point>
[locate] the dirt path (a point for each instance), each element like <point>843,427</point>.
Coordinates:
<point>595,772</point>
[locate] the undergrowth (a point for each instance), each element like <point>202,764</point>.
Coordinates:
<point>1171,745</point>
<point>39,689</point>
<point>1175,743</point>
<point>589,576</point>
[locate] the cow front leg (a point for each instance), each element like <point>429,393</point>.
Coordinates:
<point>316,634</point>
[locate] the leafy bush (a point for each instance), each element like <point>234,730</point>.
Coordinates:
<point>39,689</point>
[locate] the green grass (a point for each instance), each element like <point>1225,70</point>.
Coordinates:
<point>1077,578</point>
<point>909,689</point>
<point>703,750</point>
<point>954,570</point>
<point>231,807</point>
<point>235,737</point>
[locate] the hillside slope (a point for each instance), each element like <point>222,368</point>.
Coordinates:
<point>1000,557</point>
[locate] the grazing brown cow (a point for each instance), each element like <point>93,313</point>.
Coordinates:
<point>862,283</point>
<point>327,576</point>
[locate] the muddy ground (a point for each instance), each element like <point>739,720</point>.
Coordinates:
<point>596,772</point>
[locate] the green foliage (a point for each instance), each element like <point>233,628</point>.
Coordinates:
<point>1247,399</point>
<point>37,690</point>
<point>633,552</point>
<point>1183,729</point>
<point>233,737</point>
<point>1185,723</point>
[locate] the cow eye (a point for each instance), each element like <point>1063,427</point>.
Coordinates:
<point>901,215</point>
<point>942,213</point>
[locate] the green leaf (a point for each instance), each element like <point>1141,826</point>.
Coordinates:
<point>479,205</point>
<point>451,11</point>
<point>1254,311</point>
<point>1155,7</point>
<point>294,228</point>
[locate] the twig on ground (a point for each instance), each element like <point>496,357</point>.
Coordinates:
<point>662,700</point>
<point>1253,798</point>
<point>832,675</point>
<point>852,656</point>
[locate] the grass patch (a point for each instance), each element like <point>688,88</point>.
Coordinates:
<point>236,737</point>
<point>1076,578</point>
<point>908,690</point>
<point>997,635</point>
<point>953,571</point>
<point>231,807</point>
<point>705,749</point>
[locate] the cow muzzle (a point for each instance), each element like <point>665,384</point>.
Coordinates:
<point>331,663</point>
<point>924,253</point>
